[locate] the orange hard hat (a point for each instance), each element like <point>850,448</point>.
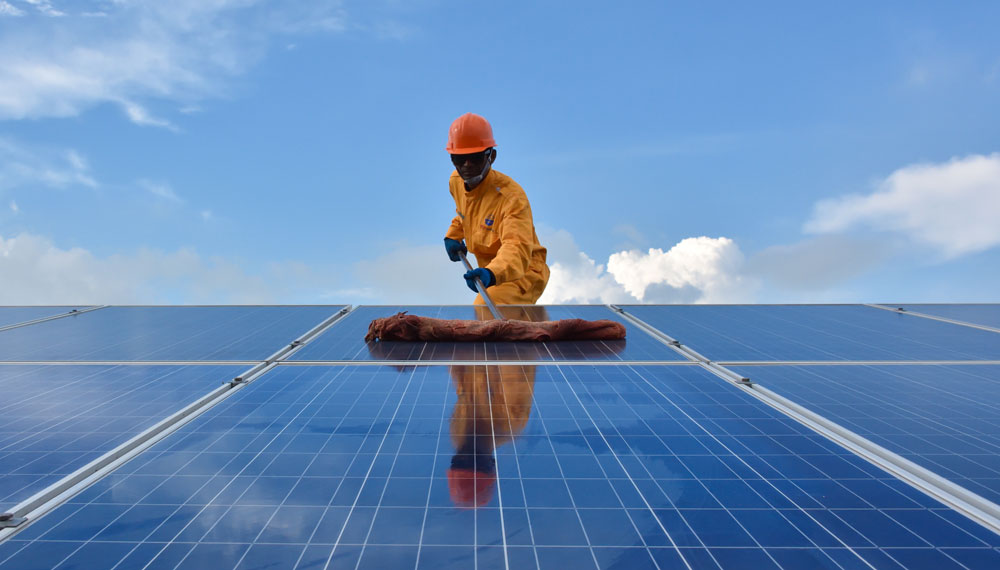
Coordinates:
<point>470,488</point>
<point>468,134</point>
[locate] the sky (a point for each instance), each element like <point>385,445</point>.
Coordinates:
<point>253,151</point>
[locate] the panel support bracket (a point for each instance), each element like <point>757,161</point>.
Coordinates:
<point>8,520</point>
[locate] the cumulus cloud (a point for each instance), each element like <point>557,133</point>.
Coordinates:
<point>37,271</point>
<point>695,270</point>
<point>22,165</point>
<point>140,51</point>
<point>952,207</point>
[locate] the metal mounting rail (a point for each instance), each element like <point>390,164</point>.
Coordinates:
<point>902,311</point>
<point>685,351</point>
<point>129,362</point>
<point>973,506</point>
<point>72,313</point>
<point>856,362</point>
<point>487,363</point>
<point>31,509</point>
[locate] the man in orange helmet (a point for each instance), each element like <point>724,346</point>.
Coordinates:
<point>494,219</point>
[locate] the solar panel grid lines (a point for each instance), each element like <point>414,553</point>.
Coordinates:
<point>815,333</point>
<point>868,499</point>
<point>749,532</point>
<point>496,384</point>
<point>966,492</point>
<point>666,533</point>
<point>96,415</point>
<point>163,334</point>
<point>427,502</point>
<point>635,462</point>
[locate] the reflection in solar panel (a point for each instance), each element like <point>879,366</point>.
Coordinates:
<point>356,466</point>
<point>815,333</point>
<point>513,455</point>
<point>345,341</point>
<point>58,418</point>
<point>983,314</point>
<point>944,418</point>
<point>163,333</point>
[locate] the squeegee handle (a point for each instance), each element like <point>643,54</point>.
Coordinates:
<point>482,289</point>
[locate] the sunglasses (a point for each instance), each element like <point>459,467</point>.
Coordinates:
<point>475,158</point>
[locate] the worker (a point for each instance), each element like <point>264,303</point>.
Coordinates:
<point>493,217</point>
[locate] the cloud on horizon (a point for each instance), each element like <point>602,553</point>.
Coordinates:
<point>952,207</point>
<point>36,271</point>
<point>695,270</point>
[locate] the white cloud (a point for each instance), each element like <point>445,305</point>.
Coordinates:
<point>140,116</point>
<point>25,166</point>
<point>37,271</point>
<point>45,7</point>
<point>709,266</point>
<point>696,270</point>
<point>142,50</point>
<point>13,207</point>
<point>160,190</point>
<point>952,207</point>
<point>6,9</point>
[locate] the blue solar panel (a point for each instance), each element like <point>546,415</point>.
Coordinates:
<point>944,418</point>
<point>815,333</point>
<point>163,334</point>
<point>981,314</point>
<point>56,419</point>
<point>363,466</point>
<point>15,315</point>
<point>345,341</point>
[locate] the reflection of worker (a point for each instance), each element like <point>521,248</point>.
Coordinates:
<point>494,219</point>
<point>494,403</point>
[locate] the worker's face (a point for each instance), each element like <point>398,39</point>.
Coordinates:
<point>471,165</point>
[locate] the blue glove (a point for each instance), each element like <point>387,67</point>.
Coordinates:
<point>453,247</point>
<point>484,275</point>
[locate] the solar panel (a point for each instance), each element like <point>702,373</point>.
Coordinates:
<point>56,419</point>
<point>944,418</point>
<point>163,334</point>
<point>345,341</point>
<point>458,455</point>
<point>977,314</point>
<point>16,315</point>
<point>815,333</point>
<point>648,467</point>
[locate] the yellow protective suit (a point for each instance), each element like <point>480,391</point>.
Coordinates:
<point>495,221</point>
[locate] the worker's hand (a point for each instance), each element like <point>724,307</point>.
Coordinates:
<point>453,246</point>
<point>484,275</point>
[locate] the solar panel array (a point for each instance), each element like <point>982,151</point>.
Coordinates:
<point>844,436</point>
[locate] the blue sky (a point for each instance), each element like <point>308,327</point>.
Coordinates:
<point>242,151</point>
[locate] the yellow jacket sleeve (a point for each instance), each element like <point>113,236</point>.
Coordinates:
<point>517,233</point>
<point>455,230</point>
